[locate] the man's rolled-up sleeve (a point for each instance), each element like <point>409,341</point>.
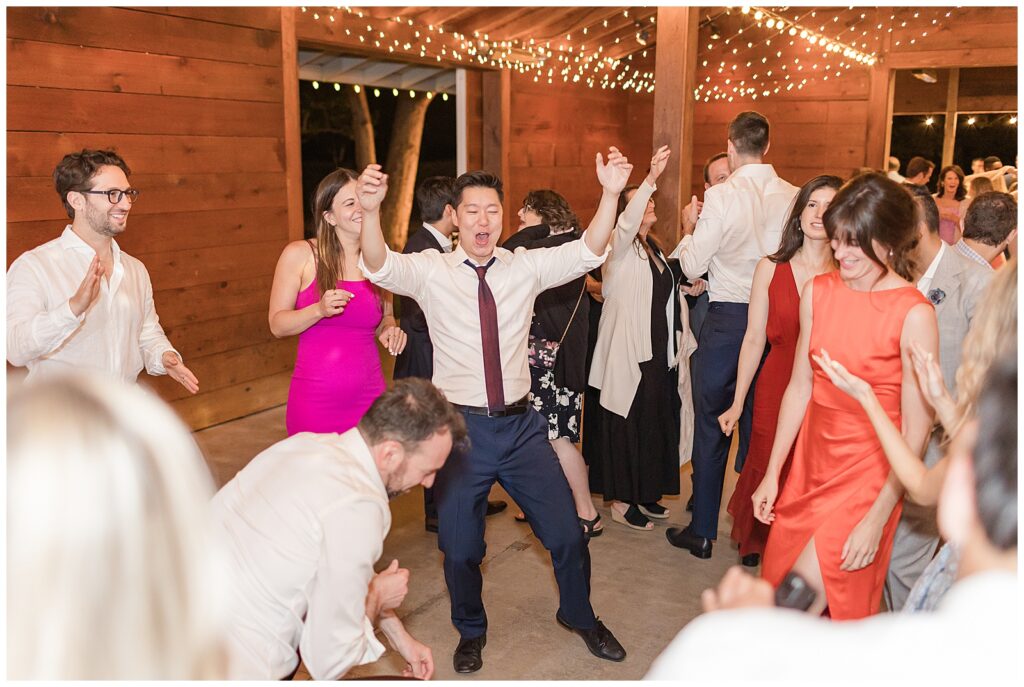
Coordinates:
<point>33,328</point>
<point>337,635</point>
<point>403,274</point>
<point>562,264</point>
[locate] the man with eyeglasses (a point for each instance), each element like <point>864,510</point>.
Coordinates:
<point>79,301</point>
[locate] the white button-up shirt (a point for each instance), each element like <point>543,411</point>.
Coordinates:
<point>740,223</point>
<point>118,334</point>
<point>925,282</point>
<point>303,524</point>
<point>446,289</point>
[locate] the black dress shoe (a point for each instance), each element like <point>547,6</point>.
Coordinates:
<point>430,524</point>
<point>467,657</point>
<point>599,640</point>
<point>684,538</point>
<point>689,504</point>
<point>495,507</point>
<point>751,560</point>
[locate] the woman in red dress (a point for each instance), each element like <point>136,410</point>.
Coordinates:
<point>836,515</point>
<point>774,317</point>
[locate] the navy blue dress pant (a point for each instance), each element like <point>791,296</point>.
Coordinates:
<point>714,365</point>
<point>515,452</point>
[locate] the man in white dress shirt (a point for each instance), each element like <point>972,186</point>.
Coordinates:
<point>972,637</point>
<point>740,223</point>
<point>305,521</point>
<point>78,301</point>
<point>478,301</point>
<point>434,198</point>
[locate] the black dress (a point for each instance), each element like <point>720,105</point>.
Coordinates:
<point>636,459</point>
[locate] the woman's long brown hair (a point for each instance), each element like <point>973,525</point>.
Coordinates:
<point>329,255</point>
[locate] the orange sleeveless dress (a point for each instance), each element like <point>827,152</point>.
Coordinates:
<point>838,466</point>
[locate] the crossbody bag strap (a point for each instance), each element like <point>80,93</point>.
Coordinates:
<point>573,316</point>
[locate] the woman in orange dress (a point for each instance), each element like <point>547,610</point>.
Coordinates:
<point>836,516</point>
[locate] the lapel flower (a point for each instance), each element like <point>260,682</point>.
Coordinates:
<point>936,296</point>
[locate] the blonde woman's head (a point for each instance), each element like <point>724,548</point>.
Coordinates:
<point>993,332</point>
<point>111,573</point>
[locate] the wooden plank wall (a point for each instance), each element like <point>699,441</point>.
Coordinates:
<point>192,98</point>
<point>555,132</point>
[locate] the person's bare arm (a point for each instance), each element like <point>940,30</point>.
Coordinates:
<point>753,343</point>
<point>791,412</point>
<point>372,187</point>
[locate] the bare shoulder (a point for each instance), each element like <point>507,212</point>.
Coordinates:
<point>297,252</point>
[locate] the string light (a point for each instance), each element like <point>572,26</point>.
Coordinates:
<point>584,61</point>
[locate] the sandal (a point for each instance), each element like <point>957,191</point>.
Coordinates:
<point>633,519</point>
<point>592,528</point>
<point>654,510</point>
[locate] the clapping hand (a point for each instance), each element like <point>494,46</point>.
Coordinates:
<point>929,377</point>
<point>691,212</point>
<point>613,175</point>
<point>371,188</point>
<point>658,162</point>
<point>177,371</point>
<point>89,290</point>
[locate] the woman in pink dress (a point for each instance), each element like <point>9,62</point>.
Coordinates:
<point>320,294</point>
<point>951,201</point>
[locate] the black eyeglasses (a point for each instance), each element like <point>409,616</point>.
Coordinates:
<point>114,195</point>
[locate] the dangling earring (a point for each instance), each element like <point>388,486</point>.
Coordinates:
<point>890,252</point>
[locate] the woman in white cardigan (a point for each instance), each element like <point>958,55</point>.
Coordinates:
<point>638,460</point>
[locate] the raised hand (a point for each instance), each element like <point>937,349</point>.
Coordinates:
<point>89,290</point>
<point>371,188</point>
<point>613,175</point>
<point>658,162</point>
<point>393,339</point>
<point>690,214</point>
<point>333,302</point>
<point>764,499</point>
<point>844,380</point>
<point>177,371</point>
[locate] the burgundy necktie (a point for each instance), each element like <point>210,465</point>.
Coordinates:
<point>489,340</point>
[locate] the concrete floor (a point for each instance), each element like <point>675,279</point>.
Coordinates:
<point>643,589</point>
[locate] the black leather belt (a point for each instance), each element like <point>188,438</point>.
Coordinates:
<point>517,408</point>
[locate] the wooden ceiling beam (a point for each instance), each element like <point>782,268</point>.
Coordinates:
<point>620,28</point>
<point>327,35</point>
<point>448,16</point>
<point>556,24</point>
<point>493,19</point>
<point>588,20</point>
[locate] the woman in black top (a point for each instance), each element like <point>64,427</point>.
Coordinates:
<point>560,314</point>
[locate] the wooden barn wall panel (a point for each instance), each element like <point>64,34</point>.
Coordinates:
<point>192,97</point>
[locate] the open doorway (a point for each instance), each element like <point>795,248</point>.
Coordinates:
<point>355,110</point>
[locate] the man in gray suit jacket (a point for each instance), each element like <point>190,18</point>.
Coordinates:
<point>954,285</point>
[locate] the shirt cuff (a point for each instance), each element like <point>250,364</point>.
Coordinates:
<point>686,241</point>
<point>157,364</point>
<point>374,648</point>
